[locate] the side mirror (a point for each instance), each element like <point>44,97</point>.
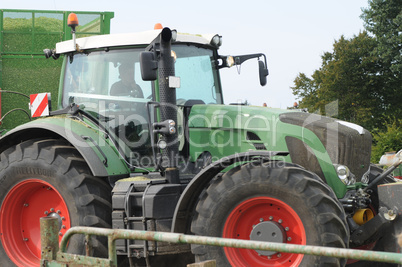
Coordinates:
<point>149,66</point>
<point>263,71</point>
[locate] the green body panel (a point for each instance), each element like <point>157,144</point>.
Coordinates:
<point>77,133</point>
<point>224,130</point>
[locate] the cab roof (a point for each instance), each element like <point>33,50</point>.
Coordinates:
<point>127,39</point>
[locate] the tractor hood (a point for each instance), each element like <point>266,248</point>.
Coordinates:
<point>313,141</point>
<point>346,143</point>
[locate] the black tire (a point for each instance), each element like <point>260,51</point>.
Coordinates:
<point>55,166</point>
<point>287,188</point>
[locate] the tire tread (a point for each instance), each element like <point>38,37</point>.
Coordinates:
<point>330,217</point>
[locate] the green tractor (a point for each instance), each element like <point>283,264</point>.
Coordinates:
<point>141,139</point>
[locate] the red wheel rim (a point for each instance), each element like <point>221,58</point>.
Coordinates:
<point>22,207</point>
<point>254,213</point>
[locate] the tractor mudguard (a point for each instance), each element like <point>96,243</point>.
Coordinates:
<point>189,197</point>
<point>102,159</point>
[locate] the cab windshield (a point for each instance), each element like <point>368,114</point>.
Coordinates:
<point>108,84</point>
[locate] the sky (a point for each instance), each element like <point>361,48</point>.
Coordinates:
<point>293,34</point>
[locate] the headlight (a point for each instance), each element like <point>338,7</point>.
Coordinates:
<point>344,174</point>
<point>216,41</point>
<point>230,61</point>
<point>365,177</point>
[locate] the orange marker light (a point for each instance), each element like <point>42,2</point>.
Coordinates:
<point>158,26</point>
<point>72,20</point>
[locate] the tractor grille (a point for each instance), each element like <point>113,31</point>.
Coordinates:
<point>346,144</point>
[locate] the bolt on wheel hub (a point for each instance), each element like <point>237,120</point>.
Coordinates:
<point>58,217</point>
<point>268,231</point>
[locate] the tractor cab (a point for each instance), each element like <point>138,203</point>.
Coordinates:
<point>107,84</point>
<point>103,77</point>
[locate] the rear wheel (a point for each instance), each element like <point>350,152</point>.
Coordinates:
<point>47,178</point>
<point>285,204</point>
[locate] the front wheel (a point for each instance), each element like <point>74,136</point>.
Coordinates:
<point>274,203</point>
<point>47,178</point>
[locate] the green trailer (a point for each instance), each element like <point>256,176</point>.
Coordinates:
<point>23,36</point>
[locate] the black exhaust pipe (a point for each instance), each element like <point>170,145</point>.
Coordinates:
<point>168,108</point>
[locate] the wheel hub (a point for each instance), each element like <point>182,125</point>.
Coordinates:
<point>264,219</point>
<point>58,217</point>
<point>269,231</point>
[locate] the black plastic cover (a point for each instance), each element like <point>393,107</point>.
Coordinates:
<point>346,145</point>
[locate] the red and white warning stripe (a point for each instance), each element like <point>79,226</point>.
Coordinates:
<point>39,104</point>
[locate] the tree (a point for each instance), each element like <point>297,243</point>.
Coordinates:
<point>363,73</point>
<point>383,19</point>
<point>306,89</point>
<point>387,141</point>
<point>347,75</point>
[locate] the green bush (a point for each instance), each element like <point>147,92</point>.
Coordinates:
<point>387,141</point>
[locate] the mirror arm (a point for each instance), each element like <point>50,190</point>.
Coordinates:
<point>240,59</point>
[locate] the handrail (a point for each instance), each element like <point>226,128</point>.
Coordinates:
<point>114,234</point>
